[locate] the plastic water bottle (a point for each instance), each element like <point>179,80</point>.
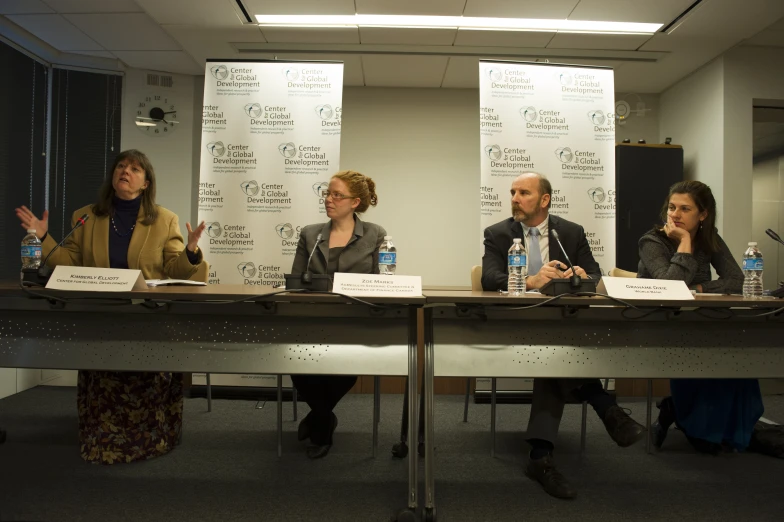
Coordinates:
<point>387,257</point>
<point>31,250</point>
<point>752,272</point>
<point>518,268</point>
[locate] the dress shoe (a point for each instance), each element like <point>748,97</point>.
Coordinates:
<point>662,425</point>
<point>304,429</point>
<point>545,473</point>
<point>658,434</point>
<point>624,430</point>
<point>317,451</point>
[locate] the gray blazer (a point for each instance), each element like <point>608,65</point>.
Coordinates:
<point>360,256</point>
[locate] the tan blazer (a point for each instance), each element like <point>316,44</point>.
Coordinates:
<point>157,250</point>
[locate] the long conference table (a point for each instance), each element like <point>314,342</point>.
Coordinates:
<point>236,329</point>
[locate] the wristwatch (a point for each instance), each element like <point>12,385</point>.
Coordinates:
<point>196,251</point>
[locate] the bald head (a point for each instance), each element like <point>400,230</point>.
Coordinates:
<point>530,198</point>
<point>544,184</point>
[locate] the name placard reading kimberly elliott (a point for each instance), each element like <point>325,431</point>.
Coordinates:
<point>96,279</point>
<point>377,285</point>
<point>630,288</point>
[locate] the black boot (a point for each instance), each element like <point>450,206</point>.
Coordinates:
<point>662,424</point>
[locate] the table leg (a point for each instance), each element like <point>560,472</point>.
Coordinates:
<point>429,372</point>
<point>280,415</point>
<point>413,404</point>
<point>648,417</point>
<point>376,411</point>
<point>493,391</point>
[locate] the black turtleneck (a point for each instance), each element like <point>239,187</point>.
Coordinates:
<point>125,214</point>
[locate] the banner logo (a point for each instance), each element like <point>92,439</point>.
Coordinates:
<point>325,111</point>
<point>565,79</point>
<point>495,74</point>
<point>564,154</point>
<point>219,72</point>
<point>253,110</point>
<point>247,270</point>
<point>596,194</point>
<point>528,114</point>
<point>597,117</point>
<point>291,74</point>
<point>250,188</point>
<point>284,230</point>
<point>216,148</point>
<point>320,187</point>
<point>213,229</point>
<point>287,150</point>
<point>493,152</point>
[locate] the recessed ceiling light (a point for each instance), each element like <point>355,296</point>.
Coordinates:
<point>454,22</point>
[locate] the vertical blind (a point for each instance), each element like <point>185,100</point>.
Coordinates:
<point>84,138</point>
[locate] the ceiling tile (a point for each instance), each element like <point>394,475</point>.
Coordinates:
<point>203,43</point>
<point>644,11</point>
<point>462,72</point>
<point>24,7</point>
<point>629,42</point>
<point>192,12</point>
<point>94,6</point>
<point>406,36</point>
<point>772,36</point>
<point>403,71</point>
<point>168,61</point>
<point>321,35</point>
<point>102,54</point>
<point>56,31</point>
<point>520,8</point>
<point>411,7</point>
<point>126,32</point>
<point>471,37</point>
<point>299,7</point>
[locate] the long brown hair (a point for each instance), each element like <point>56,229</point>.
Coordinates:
<point>707,238</point>
<point>361,187</point>
<point>104,206</point>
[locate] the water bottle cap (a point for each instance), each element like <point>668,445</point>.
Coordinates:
<point>752,243</point>
<point>31,231</point>
<point>517,240</point>
<point>387,238</point>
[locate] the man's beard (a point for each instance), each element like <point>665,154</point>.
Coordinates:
<point>519,215</point>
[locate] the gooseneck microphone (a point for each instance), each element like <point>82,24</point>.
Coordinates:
<point>774,236</point>
<point>307,276</point>
<point>44,271</point>
<point>575,279</point>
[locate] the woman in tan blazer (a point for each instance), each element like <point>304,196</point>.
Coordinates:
<point>349,245</point>
<point>127,416</point>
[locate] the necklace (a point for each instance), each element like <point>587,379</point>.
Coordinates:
<point>114,226</point>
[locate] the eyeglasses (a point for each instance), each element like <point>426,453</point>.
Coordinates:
<point>335,195</point>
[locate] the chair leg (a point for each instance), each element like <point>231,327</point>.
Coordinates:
<point>280,415</point>
<point>583,426</point>
<point>294,401</point>
<point>376,411</point>
<point>492,417</point>
<point>467,397</point>
<point>209,393</point>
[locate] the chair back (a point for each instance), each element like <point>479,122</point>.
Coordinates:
<point>476,277</point>
<point>617,272</point>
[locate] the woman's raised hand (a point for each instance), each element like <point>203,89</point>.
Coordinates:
<point>29,220</point>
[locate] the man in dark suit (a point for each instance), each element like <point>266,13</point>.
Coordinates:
<point>532,222</point>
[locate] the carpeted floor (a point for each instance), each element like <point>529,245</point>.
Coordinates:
<point>227,470</point>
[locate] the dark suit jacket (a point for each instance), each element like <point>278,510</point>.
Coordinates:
<point>498,240</point>
<point>360,256</point>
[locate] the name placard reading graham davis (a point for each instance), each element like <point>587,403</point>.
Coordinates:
<point>96,279</point>
<point>630,288</point>
<point>372,285</point>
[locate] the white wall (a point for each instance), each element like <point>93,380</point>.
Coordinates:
<point>691,113</point>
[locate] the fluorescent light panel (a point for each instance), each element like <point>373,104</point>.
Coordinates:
<point>453,22</point>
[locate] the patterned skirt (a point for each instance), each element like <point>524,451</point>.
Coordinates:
<point>128,416</point>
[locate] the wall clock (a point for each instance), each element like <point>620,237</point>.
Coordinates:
<point>156,113</point>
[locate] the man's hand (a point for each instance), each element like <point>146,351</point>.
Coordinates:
<point>552,270</point>
<point>579,271</point>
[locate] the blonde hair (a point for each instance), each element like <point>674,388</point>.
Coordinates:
<point>361,187</point>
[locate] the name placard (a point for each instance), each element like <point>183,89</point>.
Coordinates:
<point>96,279</point>
<point>371,285</point>
<point>631,288</point>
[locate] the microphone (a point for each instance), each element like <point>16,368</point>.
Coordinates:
<point>307,277</point>
<point>575,279</point>
<point>774,236</point>
<point>44,271</point>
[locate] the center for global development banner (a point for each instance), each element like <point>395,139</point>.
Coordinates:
<point>270,142</point>
<point>559,121</point>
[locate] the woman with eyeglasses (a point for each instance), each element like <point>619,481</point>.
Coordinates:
<point>347,244</point>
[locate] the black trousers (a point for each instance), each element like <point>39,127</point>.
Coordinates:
<point>322,393</point>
